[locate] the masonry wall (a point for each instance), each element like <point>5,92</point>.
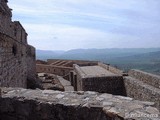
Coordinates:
<point>151,79</point>
<point>141,91</point>
<point>5,18</point>
<point>77,81</point>
<point>14,67</point>
<point>111,68</point>
<point>113,85</point>
<point>143,86</point>
<point>31,66</point>
<point>58,70</point>
<point>13,63</point>
<point>23,104</point>
<point>103,84</point>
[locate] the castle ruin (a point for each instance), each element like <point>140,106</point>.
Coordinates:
<point>101,92</point>
<point>104,78</point>
<point>17,58</point>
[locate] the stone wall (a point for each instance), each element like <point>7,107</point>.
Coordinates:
<point>23,104</point>
<point>72,79</point>
<point>111,69</point>
<point>141,91</point>
<point>19,32</point>
<point>77,81</point>
<point>12,64</point>
<point>58,70</point>
<point>60,67</point>
<point>112,84</point>
<point>151,79</point>
<point>5,18</point>
<point>31,67</point>
<point>14,56</point>
<point>143,86</point>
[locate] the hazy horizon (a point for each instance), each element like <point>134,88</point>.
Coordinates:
<point>70,24</point>
<point>96,48</point>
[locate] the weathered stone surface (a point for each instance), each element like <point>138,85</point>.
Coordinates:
<point>17,58</point>
<point>139,90</point>
<point>50,81</point>
<point>150,79</point>
<point>97,78</point>
<point>112,69</point>
<point>17,69</point>
<point>65,83</point>
<point>18,103</point>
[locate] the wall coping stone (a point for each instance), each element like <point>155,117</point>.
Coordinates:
<point>148,78</point>
<point>113,106</point>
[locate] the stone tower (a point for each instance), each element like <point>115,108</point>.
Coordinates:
<point>17,58</point>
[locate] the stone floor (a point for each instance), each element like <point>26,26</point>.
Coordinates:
<point>96,71</point>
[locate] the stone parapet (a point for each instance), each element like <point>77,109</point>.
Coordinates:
<point>17,103</point>
<point>112,69</point>
<point>148,78</point>
<point>58,70</point>
<point>142,91</point>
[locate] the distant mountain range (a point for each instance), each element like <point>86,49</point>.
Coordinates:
<point>147,59</point>
<point>149,62</point>
<point>46,54</point>
<point>93,54</point>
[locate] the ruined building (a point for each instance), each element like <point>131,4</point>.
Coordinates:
<point>104,78</point>
<point>102,92</point>
<point>17,58</point>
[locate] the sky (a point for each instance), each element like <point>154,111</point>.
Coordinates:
<point>74,24</point>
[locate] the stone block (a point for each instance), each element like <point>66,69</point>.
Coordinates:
<point>25,104</point>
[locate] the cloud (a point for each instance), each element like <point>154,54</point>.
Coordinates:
<point>70,37</point>
<point>68,24</point>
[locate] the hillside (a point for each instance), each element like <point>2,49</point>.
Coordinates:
<point>103,54</point>
<point>46,54</point>
<point>94,54</point>
<point>147,59</point>
<point>149,62</point>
